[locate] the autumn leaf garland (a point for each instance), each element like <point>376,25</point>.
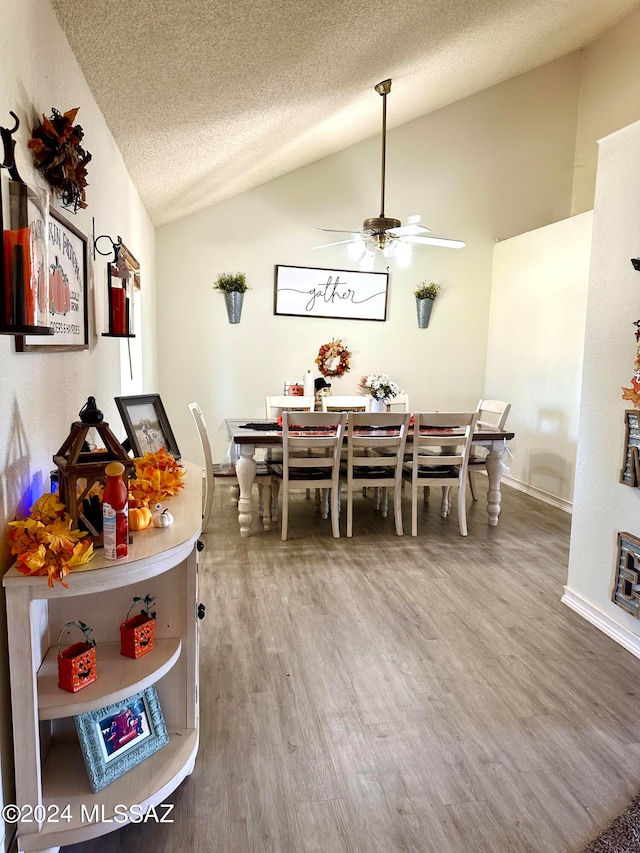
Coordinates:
<point>45,544</point>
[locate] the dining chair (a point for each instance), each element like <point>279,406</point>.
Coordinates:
<point>399,403</point>
<point>276,405</point>
<point>224,473</point>
<point>441,447</point>
<point>375,452</point>
<point>345,403</point>
<point>492,414</point>
<point>311,447</point>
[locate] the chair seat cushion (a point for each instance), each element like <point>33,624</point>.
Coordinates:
<point>301,473</point>
<point>371,472</point>
<point>434,470</point>
<point>477,460</point>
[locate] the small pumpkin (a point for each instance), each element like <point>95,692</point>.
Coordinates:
<point>162,518</point>
<point>139,518</point>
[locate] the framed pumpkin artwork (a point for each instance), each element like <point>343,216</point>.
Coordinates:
<point>68,291</point>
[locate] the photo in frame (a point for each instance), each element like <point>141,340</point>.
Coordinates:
<point>68,291</point>
<point>344,294</point>
<point>146,424</point>
<point>116,738</point>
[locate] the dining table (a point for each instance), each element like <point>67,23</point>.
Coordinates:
<point>248,435</point>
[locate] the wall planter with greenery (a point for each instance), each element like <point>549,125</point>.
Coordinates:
<point>425,297</point>
<point>233,285</point>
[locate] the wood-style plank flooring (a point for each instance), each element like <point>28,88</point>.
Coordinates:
<point>390,693</point>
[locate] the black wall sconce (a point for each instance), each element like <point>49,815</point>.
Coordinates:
<point>119,287</point>
<point>636,264</point>
<point>24,257</point>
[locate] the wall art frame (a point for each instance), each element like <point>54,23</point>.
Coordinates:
<point>330,293</point>
<point>117,737</point>
<point>146,424</point>
<point>630,471</point>
<point>68,291</point>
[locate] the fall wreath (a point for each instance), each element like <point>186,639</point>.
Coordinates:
<point>333,359</point>
<point>60,157</point>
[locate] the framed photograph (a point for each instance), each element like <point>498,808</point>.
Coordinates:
<point>117,737</point>
<point>146,424</point>
<point>68,291</point>
<point>344,294</point>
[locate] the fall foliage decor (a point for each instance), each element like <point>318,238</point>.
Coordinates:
<point>45,544</point>
<point>158,476</point>
<point>60,157</point>
<point>333,359</point>
<point>633,393</point>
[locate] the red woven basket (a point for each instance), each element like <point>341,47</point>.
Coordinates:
<point>137,636</point>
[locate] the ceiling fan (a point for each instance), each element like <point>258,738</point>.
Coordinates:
<point>382,232</point>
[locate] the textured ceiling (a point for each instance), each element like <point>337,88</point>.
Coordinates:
<point>207,98</point>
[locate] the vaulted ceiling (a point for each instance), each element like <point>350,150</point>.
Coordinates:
<point>207,98</point>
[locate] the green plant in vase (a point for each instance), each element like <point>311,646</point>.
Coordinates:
<point>425,296</point>
<point>234,286</point>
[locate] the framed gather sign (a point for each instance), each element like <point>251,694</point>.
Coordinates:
<point>345,294</point>
<point>68,291</point>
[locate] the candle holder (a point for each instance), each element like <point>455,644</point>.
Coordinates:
<point>119,289</point>
<point>24,273</point>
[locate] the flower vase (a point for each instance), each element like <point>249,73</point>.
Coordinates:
<point>378,405</point>
<point>234,305</point>
<point>423,307</point>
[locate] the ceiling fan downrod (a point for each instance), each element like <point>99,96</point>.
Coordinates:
<point>379,224</point>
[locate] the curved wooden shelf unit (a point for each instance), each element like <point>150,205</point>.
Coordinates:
<point>118,677</point>
<point>64,781</point>
<point>50,768</point>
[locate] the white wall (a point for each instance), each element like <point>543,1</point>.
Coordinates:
<point>602,506</point>
<point>609,99</point>
<point>41,394</point>
<point>490,166</point>
<point>534,357</point>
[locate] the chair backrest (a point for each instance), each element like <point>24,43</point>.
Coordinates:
<point>384,433</point>
<point>442,439</point>
<point>320,435</point>
<point>276,405</point>
<point>399,403</point>
<point>201,426</point>
<point>492,414</point>
<point>345,403</point>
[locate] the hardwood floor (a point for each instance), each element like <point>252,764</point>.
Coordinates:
<point>400,694</point>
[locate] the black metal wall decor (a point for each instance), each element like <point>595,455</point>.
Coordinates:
<point>24,274</point>
<point>119,288</point>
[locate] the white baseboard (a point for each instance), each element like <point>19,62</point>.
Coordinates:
<point>566,506</point>
<point>617,632</point>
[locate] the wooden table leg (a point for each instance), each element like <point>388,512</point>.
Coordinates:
<point>495,466</point>
<point>246,474</point>
<point>266,506</point>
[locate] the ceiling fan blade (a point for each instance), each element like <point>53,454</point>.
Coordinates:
<point>337,243</point>
<point>410,230</point>
<point>436,241</point>
<point>338,230</point>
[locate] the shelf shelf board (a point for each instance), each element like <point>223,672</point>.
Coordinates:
<point>118,678</point>
<point>65,781</point>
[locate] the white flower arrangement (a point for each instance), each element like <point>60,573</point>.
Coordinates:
<point>380,386</point>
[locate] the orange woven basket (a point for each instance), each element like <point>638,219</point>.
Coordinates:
<point>77,663</point>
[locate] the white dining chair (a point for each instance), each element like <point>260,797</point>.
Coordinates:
<point>276,405</point>
<point>375,459</point>
<point>226,474</point>
<point>310,460</point>
<point>492,414</point>
<point>440,457</point>
<point>345,403</point>
<point>399,403</point>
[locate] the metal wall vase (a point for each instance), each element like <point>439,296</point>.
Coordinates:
<point>423,307</point>
<point>234,305</point>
